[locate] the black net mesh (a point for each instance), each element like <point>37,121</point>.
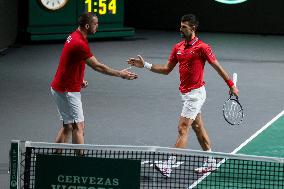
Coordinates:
<point>176,169</point>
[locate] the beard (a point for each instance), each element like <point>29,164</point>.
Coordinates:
<point>184,36</point>
<point>91,31</point>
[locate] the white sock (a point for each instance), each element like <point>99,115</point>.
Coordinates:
<point>209,157</point>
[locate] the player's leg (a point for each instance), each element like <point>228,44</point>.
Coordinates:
<point>209,163</point>
<point>78,136</point>
<point>192,103</point>
<point>201,133</point>
<point>76,112</point>
<point>165,168</point>
<point>183,131</point>
<point>78,133</point>
<point>64,134</point>
<point>65,131</point>
<point>78,124</point>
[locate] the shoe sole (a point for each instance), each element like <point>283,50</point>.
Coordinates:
<point>205,171</point>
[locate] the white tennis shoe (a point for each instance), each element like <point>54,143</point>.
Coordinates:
<point>208,166</point>
<point>165,168</point>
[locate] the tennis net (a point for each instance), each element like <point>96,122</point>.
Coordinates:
<point>104,167</point>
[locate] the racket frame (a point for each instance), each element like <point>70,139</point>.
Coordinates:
<point>236,100</point>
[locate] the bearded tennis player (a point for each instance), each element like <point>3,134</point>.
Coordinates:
<point>190,54</point>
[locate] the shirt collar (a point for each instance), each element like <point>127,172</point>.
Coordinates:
<point>192,42</point>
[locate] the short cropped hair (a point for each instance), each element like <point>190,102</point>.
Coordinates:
<point>85,18</point>
<point>191,19</point>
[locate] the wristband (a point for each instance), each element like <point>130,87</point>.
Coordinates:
<point>230,83</point>
<point>147,65</point>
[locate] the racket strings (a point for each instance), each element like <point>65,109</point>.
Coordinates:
<point>233,112</point>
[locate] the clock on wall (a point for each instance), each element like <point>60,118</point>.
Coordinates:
<point>53,5</point>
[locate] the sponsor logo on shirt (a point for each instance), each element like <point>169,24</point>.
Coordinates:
<point>69,39</point>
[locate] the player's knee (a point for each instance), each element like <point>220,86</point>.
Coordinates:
<point>183,128</point>
<point>78,126</point>
<point>67,128</point>
<point>196,127</point>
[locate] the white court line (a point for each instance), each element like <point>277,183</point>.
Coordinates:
<point>258,132</point>
<point>239,147</point>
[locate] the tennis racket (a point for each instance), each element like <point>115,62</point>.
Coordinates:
<point>232,109</point>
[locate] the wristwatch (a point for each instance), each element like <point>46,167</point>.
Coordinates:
<point>53,5</point>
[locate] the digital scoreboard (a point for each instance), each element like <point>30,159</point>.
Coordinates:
<point>101,7</point>
<point>56,19</point>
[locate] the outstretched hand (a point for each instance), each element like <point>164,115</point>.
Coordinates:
<point>126,74</point>
<point>139,62</point>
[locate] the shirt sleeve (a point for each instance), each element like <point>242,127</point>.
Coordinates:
<point>173,56</point>
<point>208,54</point>
<point>84,51</point>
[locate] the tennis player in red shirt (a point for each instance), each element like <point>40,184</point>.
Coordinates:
<point>191,55</point>
<point>69,79</point>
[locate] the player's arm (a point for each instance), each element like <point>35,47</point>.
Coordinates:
<point>222,72</point>
<point>157,68</point>
<point>162,68</point>
<point>104,69</point>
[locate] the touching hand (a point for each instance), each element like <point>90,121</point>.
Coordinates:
<point>139,62</point>
<point>126,74</point>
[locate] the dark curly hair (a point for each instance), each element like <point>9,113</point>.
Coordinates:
<point>191,19</point>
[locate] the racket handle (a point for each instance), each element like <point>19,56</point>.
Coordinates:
<point>235,78</point>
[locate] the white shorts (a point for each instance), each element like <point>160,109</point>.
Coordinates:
<point>193,102</point>
<point>69,106</point>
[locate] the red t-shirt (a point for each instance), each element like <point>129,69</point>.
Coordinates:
<point>191,57</point>
<point>71,69</point>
